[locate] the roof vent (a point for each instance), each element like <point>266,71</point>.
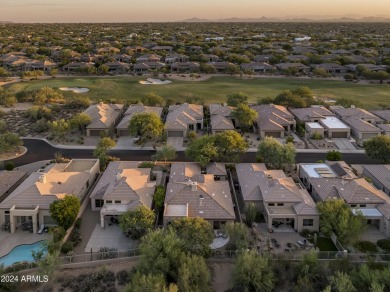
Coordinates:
<point>194,186</point>
<point>42,179</point>
<point>118,176</point>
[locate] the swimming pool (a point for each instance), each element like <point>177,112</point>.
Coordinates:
<point>21,253</point>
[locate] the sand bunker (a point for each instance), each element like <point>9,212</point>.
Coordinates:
<point>155,81</point>
<point>75,89</point>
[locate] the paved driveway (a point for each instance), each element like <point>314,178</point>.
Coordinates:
<point>176,142</point>
<point>343,144</point>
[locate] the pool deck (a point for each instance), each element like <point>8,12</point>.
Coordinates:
<point>9,241</point>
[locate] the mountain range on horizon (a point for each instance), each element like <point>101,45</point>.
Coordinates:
<point>292,19</point>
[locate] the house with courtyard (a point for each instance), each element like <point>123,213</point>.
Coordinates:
<point>326,182</point>
<point>273,121</point>
<point>283,67</point>
<point>286,205</point>
<point>30,202</point>
<point>221,118</point>
<point>193,193</point>
<point>185,67</point>
<point>122,129</point>
<point>257,67</point>
<point>183,118</point>
<point>122,187</point>
<point>104,118</point>
<point>331,68</point>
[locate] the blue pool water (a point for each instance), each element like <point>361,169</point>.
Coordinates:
<point>21,253</point>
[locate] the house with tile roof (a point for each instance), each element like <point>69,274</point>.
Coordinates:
<point>104,117</point>
<point>325,182</point>
<point>9,180</point>
<point>122,187</point>
<point>183,118</point>
<point>258,67</point>
<point>30,201</point>
<point>278,197</point>
<point>191,193</point>
<point>273,120</point>
<point>363,124</point>
<point>311,114</point>
<point>379,175</point>
<point>383,114</point>
<point>122,128</point>
<point>221,118</point>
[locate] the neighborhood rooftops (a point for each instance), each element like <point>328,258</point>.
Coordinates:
<point>103,115</point>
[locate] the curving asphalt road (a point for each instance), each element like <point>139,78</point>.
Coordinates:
<point>41,150</point>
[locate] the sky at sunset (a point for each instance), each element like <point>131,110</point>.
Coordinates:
<point>174,10</point>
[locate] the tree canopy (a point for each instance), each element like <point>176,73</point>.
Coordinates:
<point>101,151</point>
<point>253,272</point>
<point>138,221</point>
<point>378,148</point>
<point>245,115</point>
<point>148,125</point>
<point>274,154</point>
<point>65,210</point>
<point>196,234</point>
<point>165,153</point>
<point>336,216</point>
<point>153,99</point>
<point>234,99</point>
<point>9,142</point>
<point>226,146</point>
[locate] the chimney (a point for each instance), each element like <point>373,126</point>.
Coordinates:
<point>42,179</point>
<point>352,106</point>
<point>118,176</point>
<point>194,186</point>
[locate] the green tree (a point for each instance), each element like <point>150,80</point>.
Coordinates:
<point>274,154</point>
<point>232,69</point>
<point>138,221</point>
<point>380,76</point>
<point>253,272</point>
<point>337,217</point>
<point>6,98</point>
<point>153,99</point>
<point>196,234</point>
<point>80,121</point>
<point>250,213</point>
<point>47,95</point>
<point>148,125</point>
<point>320,72</point>
<point>234,99</point>
<point>165,153</point>
<point>103,69</point>
<point>160,253</point>
<point>4,74</point>
<point>238,236</point>
<point>333,155</point>
<point>289,99</point>
<point>341,282</point>
<point>245,115</point>
<point>101,151</point>
<point>151,282</point>
<point>378,148</point>
<point>202,150</point>
<point>194,275</point>
<point>59,127</point>
<point>3,126</point>
<point>9,142</point>
<point>64,211</point>
<point>35,113</point>
<point>159,197</point>
<point>48,265</point>
<point>230,146</point>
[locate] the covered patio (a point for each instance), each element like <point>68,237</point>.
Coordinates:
<point>17,217</point>
<point>111,210</point>
<point>281,219</point>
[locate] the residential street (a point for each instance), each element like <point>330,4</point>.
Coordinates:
<point>41,150</point>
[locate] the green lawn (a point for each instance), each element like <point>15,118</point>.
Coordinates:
<point>214,89</point>
<point>324,244</point>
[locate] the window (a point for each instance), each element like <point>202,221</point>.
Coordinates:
<point>99,203</point>
<point>353,205</point>
<point>109,202</point>
<point>271,204</point>
<point>118,202</point>
<point>362,205</point>
<point>280,204</point>
<point>308,222</point>
<point>6,212</point>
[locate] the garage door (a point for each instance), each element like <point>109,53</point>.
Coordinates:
<point>124,133</point>
<point>94,132</point>
<point>368,135</point>
<point>273,134</point>
<point>339,134</point>
<point>175,133</point>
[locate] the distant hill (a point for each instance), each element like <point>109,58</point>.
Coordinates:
<point>297,19</point>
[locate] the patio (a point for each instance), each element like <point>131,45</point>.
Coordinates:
<point>9,241</point>
<point>110,237</point>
